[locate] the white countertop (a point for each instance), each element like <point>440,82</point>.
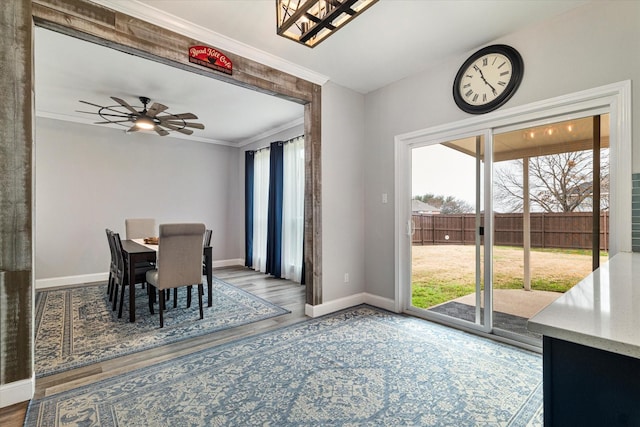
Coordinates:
<point>602,311</point>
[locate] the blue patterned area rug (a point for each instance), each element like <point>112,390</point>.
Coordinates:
<point>359,367</point>
<point>76,327</point>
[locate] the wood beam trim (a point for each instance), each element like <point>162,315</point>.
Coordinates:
<point>16,194</point>
<point>147,40</point>
<point>313,200</point>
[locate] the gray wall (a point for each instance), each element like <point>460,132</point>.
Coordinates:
<point>588,47</point>
<point>343,190</point>
<point>89,178</point>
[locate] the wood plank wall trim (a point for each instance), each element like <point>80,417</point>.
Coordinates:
<point>101,25</point>
<point>16,142</point>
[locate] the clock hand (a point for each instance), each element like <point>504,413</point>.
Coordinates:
<point>484,80</point>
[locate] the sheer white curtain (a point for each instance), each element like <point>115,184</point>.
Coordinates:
<point>293,209</point>
<point>260,208</point>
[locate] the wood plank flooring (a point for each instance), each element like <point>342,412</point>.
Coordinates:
<point>284,293</point>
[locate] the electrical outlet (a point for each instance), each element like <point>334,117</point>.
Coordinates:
<point>384,198</point>
<point>346,277</point>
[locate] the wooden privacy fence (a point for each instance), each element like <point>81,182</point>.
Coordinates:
<point>548,230</point>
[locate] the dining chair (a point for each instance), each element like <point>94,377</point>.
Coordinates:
<point>207,242</point>
<point>113,270</point>
<point>178,263</point>
<point>121,281</point>
<point>139,228</point>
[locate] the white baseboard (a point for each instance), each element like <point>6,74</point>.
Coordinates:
<point>228,262</point>
<point>71,280</point>
<point>380,302</point>
<point>350,301</point>
<point>103,277</point>
<point>17,391</point>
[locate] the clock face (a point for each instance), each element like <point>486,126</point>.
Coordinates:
<point>485,79</point>
<point>488,79</point>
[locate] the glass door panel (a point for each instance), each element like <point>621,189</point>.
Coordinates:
<point>550,203</point>
<point>447,254</point>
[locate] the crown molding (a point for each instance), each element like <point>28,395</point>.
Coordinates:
<point>263,135</point>
<point>79,120</point>
<point>171,22</point>
<point>273,131</point>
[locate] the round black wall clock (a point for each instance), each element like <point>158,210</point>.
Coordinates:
<point>488,79</point>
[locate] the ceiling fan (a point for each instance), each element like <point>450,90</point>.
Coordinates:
<point>154,118</point>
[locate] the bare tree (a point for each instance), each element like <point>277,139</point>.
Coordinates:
<point>557,183</point>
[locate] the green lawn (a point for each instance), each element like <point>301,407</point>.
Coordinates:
<point>555,270</point>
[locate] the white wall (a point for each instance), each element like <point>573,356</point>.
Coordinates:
<point>343,189</point>
<point>89,178</point>
<point>588,47</point>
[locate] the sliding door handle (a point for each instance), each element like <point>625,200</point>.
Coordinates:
<point>411,227</point>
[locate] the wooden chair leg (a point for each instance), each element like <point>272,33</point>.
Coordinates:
<point>151,290</point>
<point>189,295</point>
<point>114,298</point>
<point>110,285</point>
<point>121,301</point>
<point>200,292</point>
<point>160,307</point>
<point>175,297</point>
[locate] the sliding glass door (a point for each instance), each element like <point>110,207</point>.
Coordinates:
<point>551,221</point>
<point>505,221</point>
<point>448,273</point>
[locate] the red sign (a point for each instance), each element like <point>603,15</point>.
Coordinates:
<point>210,57</point>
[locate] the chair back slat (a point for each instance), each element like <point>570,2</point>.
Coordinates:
<point>120,263</point>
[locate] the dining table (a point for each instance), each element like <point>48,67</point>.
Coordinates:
<point>136,251</point>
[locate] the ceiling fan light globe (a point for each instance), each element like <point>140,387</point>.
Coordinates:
<point>145,123</point>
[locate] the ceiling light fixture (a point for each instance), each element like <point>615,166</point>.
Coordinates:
<point>311,21</point>
<point>145,123</point>
<point>154,118</point>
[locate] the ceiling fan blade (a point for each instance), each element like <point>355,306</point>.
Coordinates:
<point>186,116</point>
<point>180,123</point>
<point>177,128</point>
<point>155,109</point>
<point>133,128</point>
<point>160,131</point>
<point>194,125</point>
<point>125,105</point>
